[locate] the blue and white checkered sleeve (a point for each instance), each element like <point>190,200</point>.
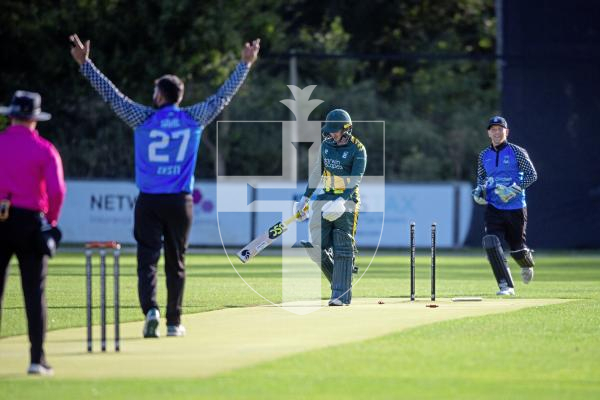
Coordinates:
<point>525,165</point>
<point>481,174</point>
<point>204,113</point>
<point>132,113</point>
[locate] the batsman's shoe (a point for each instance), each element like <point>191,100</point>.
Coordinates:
<point>335,303</point>
<point>42,369</point>
<point>526,275</point>
<point>505,291</point>
<point>175,330</point>
<point>151,324</point>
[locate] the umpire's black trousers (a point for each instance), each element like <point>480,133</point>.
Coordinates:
<point>20,235</point>
<point>162,219</point>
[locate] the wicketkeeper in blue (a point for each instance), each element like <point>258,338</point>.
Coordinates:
<point>504,172</point>
<point>335,211</point>
<point>167,139</point>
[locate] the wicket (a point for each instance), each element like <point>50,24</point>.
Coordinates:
<point>413,249</point>
<point>433,247</point>
<point>89,249</point>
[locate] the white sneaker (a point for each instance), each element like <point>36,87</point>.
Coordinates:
<point>40,369</point>
<point>526,275</point>
<point>175,330</point>
<point>151,324</point>
<point>506,291</point>
<point>335,303</point>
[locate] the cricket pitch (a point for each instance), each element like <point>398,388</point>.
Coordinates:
<point>225,340</point>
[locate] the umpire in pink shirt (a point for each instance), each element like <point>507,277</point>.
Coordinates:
<point>32,190</point>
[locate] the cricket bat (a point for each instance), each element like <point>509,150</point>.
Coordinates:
<point>263,241</point>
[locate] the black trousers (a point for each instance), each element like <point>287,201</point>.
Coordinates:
<point>19,235</point>
<point>162,219</point>
<point>509,225</point>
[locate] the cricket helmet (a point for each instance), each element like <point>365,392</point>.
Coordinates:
<point>336,120</point>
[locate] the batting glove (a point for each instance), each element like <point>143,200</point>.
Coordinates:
<point>334,209</point>
<point>479,195</point>
<point>301,209</point>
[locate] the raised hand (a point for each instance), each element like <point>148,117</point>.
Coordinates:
<point>79,51</point>
<point>250,52</point>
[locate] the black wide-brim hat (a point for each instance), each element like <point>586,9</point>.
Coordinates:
<point>26,106</point>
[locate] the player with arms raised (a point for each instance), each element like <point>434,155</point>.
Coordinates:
<point>167,138</point>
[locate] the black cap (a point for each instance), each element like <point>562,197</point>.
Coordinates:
<point>497,120</point>
<point>26,106</point>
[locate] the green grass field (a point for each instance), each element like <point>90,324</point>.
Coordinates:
<point>535,353</point>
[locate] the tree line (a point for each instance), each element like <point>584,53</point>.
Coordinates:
<point>424,67</point>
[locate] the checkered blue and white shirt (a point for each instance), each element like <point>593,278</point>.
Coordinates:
<point>134,114</point>
<point>167,139</point>
<point>505,165</point>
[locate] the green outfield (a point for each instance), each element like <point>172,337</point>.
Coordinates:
<point>541,344</point>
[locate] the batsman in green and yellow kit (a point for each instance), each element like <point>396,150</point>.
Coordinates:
<point>335,211</point>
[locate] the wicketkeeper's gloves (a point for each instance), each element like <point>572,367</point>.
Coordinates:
<point>506,194</point>
<point>479,195</point>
